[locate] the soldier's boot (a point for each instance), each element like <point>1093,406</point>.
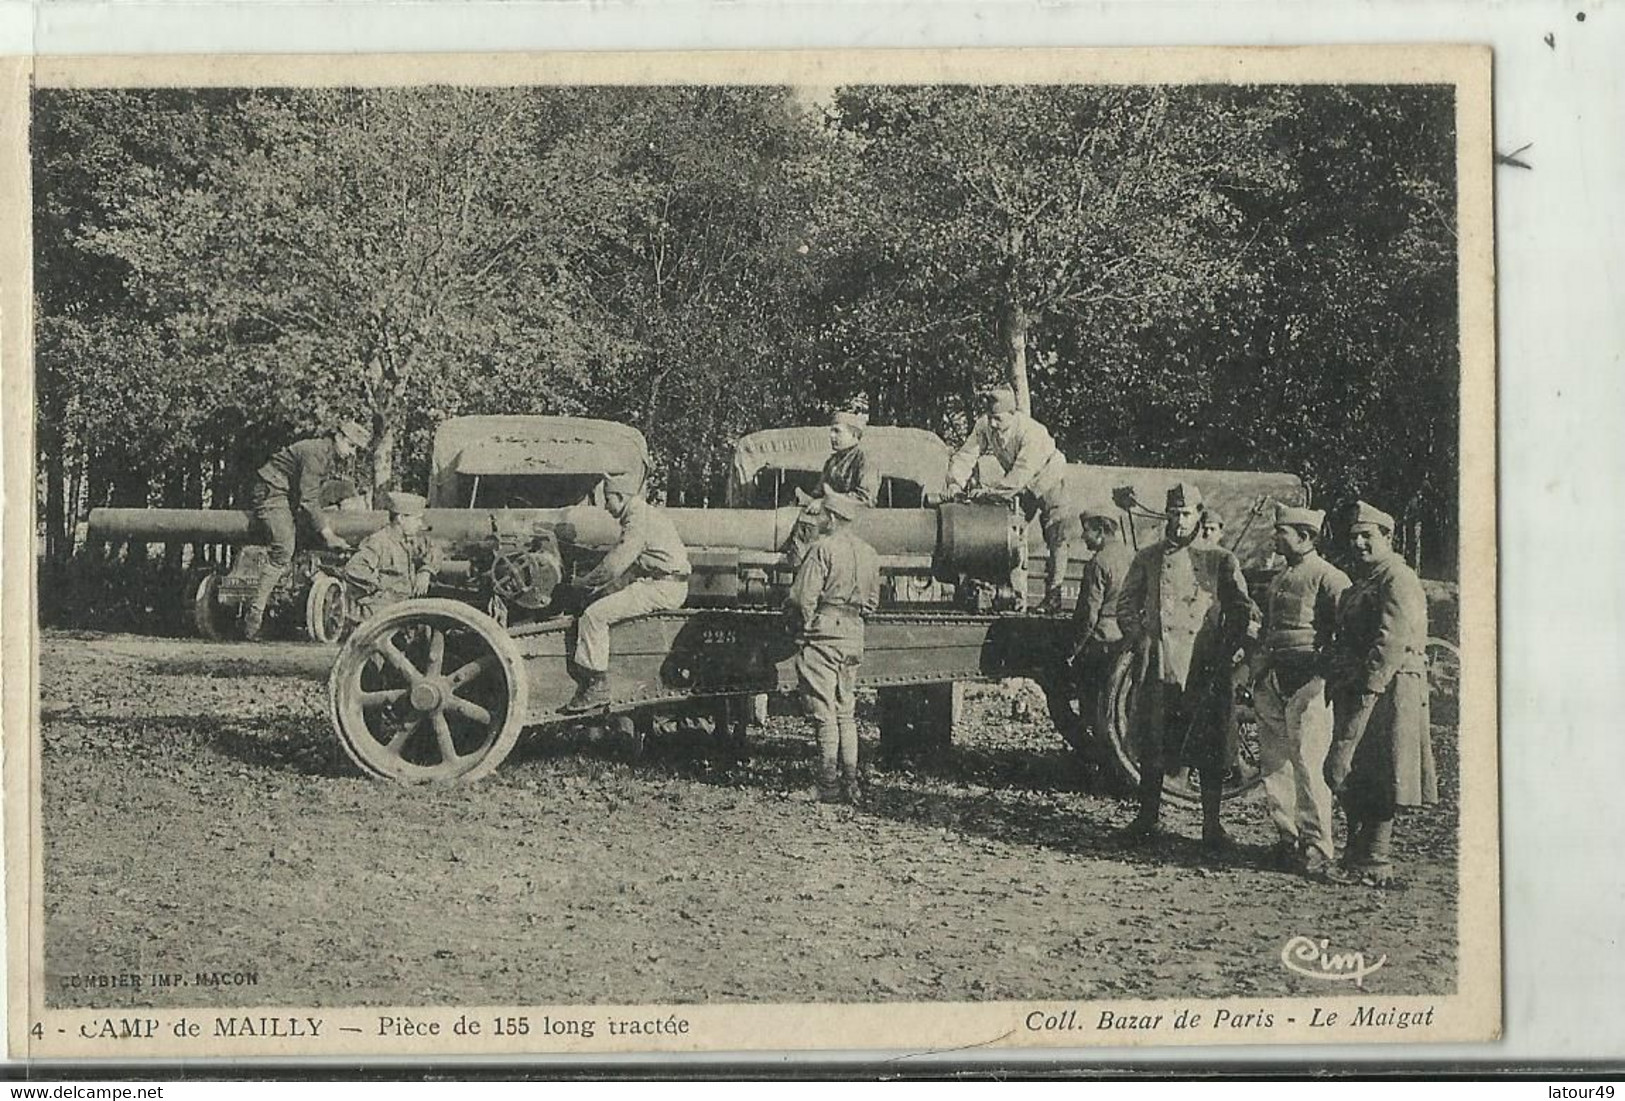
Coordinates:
<point>1379,865</point>
<point>591,695</point>
<point>1146,825</point>
<point>1358,848</point>
<point>1214,838</point>
<point>851,786</point>
<point>254,617</point>
<point>829,783</point>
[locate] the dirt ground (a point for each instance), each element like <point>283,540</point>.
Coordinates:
<point>199,818</point>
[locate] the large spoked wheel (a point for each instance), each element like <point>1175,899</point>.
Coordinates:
<point>208,617</point>
<point>1444,682</point>
<point>428,691</point>
<point>327,609</point>
<point>1123,757</point>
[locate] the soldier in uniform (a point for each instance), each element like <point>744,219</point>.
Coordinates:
<point>847,470</point>
<point>837,586</point>
<point>1034,477</point>
<point>1381,755</point>
<point>1212,527</point>
<point>646,571</point>
<point>1184,610</point>
<point>1096,637</point>
<point>395,562</point>
<point>295,478</point>
<point>1289,692</point>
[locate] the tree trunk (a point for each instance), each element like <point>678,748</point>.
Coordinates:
<point>383,456</point>
<point>1014,326</point>
<point>58,535</point>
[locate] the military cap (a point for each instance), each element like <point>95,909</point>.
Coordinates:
<point>1370,514</point>
<point>625,482</point>
<point>999,399</point>
<point>1309,519</point>
<point>841,504</point>
<point>404,504</point>
<point>1183,495</point>
<point>355,433</point>
<point>860,421</point>
<point>1099,514</point>
<point>1211,515</point>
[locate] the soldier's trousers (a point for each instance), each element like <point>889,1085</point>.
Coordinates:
<point>1294,731</point>
<point>1053,520</point>
<point>638,598</point>
<point>275,516</point>
<point>827,669</point>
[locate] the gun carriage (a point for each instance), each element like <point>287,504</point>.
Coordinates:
<point>440,688</point>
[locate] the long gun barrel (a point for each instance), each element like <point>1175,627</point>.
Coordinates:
<point>977,540</point>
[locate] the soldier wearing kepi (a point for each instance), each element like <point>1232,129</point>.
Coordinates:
<point>848,470</point>
<point>1034,476</point>
<point>646,571</point>
<point>1184,610</point>
<point>1289,692</point>
<point>290,484</point>
<point>836,588</point>
<point>1096,637</point>
<point>397,561</point>
<point>1381,755</point>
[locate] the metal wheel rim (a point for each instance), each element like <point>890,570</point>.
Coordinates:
<point>326,609</point>
<point>1183,786</point>
<point>206,608</point>
<point>409,708</point>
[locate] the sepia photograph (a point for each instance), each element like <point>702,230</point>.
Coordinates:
<point>771,551</point>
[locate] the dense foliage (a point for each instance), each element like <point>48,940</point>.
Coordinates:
<point>1256,278</point>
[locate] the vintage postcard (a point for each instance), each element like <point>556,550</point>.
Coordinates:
<point>806,551</point>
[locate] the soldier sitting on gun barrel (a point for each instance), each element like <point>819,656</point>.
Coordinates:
<point>395,562</point>
<point>646,571</point>
<point>847,470</point>
<point>298,472</point>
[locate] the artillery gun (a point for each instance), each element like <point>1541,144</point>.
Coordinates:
<point>439,689</point>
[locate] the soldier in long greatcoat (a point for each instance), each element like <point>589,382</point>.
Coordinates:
<point>1185,611</point>
<point>1381,756</point>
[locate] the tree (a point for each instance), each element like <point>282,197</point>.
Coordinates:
<point>1000,211</point>
<point>383,254</point>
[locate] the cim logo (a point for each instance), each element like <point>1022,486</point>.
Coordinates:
<point>1315,959</point>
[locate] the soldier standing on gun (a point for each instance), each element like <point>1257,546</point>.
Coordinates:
<point>1096,637</point>
<point>396,562</point>
<point>647,571</point>
<point>1184,611</point>
<point>848,470</point>
<point>1381,756</point>
<point>837,587</point>
<point>1034,476</point>
<point>1289,693</point>
<point>297,473</point>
